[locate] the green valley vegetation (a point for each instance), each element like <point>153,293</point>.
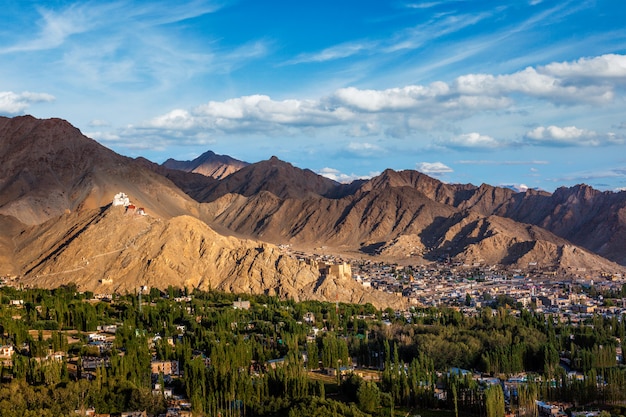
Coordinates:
<point>217,354</point>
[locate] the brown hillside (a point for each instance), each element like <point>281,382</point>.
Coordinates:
<point>587,217</point>
<point>113,249</point>
<point>397,222</point>
<point>47,167</point>
<point>275,176</point>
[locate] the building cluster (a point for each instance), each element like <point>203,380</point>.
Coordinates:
<point>121,199</point>
<point>565,294</point>
<point>569,296</point>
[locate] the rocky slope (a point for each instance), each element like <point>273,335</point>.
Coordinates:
<point>275,176</point>
<point>374,213</point>
<point>115,249</point>
<point>589,218</point>
<point>399,223</point>
<point>592,219</point>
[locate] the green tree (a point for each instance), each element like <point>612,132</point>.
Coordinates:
<point>368,397</point>
<point>494,401</point>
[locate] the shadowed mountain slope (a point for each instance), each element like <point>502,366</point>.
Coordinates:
<point>47,167</point>
<point>273,175</point>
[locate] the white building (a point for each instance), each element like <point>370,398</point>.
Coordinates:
<point>121,199</point>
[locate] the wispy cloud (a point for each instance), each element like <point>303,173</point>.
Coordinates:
<point>344,50</point>
<point>403,40</point>
<point>425,5</point>
<point>15,103</point>
<point>55,27</point>
<point>591,175</point>
<point>126,43</point>
<point>364,149</point>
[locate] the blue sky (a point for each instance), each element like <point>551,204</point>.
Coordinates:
<point>507,93</point>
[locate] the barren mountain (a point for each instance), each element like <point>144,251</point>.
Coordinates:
<point>398,222</point>
<point>590,218</point>
<point>275,176</point>
<point>116,249</point>
<point>375,213</point>
<point>56,187</point>
<point>208,164</point>
<point>47,167</point>
<point>58,225</point>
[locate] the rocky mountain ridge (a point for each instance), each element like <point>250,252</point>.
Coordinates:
<point>588,218</point>
<point>56,186</point>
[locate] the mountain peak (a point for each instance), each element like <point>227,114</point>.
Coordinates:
<point>208,164</point>
<point>277,177</point>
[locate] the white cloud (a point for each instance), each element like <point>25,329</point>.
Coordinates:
<point>433,168</point>
<point>336,175</point>
<point>609,66</point>
<point>515,187</point>
<point>390,100</point>
<point>474,140</point>
<point>532,83</point>
<point>251,114</point>
<point>568,135</point>
<point>364,129</point>
<point>400,112</point>
<point>99,123</point>
<point>104,136</point>
<point>177,119</point>
<point>14,103</point>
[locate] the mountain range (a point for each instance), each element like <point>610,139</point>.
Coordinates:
<point>216,222</point>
